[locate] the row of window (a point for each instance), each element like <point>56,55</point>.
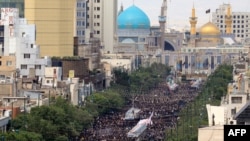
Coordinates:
<point>80,14</point>
<point>234,21</point>
<point>80,23</point>
<point>234,26</point>
<point>234,16</point>
<point>79,4</point>
<point>8,63</point>
<point>96,24</point>
<point>24,67</point>
<point>97,16</point>
<point>80,33</point>
<point>97,8</point>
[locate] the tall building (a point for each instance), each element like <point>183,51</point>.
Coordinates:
<point>240,22</point>
<point>102,16</point>
<point>19,42</point>
<point>81,20</point>
<point>13,4</point>
<point>54,20</point>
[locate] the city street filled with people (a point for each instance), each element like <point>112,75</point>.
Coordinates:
<point>164,104</point>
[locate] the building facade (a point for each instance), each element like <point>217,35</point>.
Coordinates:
<point>19,4</point>
<point>240,22</point>
<point>81,20</point>
<point>102,17</point>
<point>19,41</point>
<point>54,20</point>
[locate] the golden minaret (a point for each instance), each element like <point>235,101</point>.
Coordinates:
<point>228,21</point>
<point>193,22</point>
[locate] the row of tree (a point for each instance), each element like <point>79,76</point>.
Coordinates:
<point>194,115</point>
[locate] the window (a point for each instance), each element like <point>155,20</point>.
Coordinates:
<point>237,100</point>
<point>8,63</point>
<point>78,23</point>
<point>26,56</point>
<point>38,67</point>
<point>98,32</point>
<point>233,111</point>
<point>1,33</point>
<point>47,81</point>
<point>0,63</point>
<point>98,8</point>
<point>2,76</point>
<point>24,67</point>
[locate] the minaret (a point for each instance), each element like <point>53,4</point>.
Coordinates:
<point>162,21</point>
<point>193,22</point>
<point>228,20</point>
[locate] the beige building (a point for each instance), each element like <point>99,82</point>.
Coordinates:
<point>7,71</point>
<point>102,21</point>
<point>54,20</point>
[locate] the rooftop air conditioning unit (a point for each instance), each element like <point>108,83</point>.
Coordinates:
<point>232,122</point>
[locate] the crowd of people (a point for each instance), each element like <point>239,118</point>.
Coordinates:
<point>165,106</point>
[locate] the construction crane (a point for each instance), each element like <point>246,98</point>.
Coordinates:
<point>162,21</point>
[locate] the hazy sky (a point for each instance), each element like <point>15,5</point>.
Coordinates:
<point>179,11</point>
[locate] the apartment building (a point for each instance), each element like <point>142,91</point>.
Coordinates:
<point>54,20</point>
<point>102,17</point>
<point>240,22</point>
<point>81,20</point>
<point>19,42</point>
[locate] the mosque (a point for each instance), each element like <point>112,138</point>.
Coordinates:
<point>197,51</point>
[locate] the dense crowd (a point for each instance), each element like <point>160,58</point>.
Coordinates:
<point>165,105</point>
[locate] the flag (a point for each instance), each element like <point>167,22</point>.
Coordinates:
<point>208,11</point>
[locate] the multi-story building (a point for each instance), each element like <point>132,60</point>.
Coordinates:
<point>54,20</point>
<point>19,41</point>
<point>240,22</point>
<point>14,4</point>
<point>102,17</point>
<point>81,20</point>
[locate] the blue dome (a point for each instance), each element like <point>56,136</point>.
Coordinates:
<point>133,18</point>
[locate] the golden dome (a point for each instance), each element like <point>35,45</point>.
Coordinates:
<point>209,29</point>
